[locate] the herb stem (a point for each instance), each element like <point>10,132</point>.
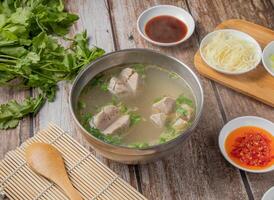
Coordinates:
<point>7,61</point>
<point>6,56</point>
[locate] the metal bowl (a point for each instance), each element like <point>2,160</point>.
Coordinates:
<point>131,56</point>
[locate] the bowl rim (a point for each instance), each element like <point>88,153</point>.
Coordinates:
<point>263,58</point>
<point>258,48</point>
<point>167,7</point>
<point>221,143</point>
<point>193,125</point>
<point>268,192</point>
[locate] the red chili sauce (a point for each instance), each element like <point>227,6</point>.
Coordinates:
<point>165,29</point>
<point>250,147</point>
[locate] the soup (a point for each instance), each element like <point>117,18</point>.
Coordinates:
<point>136,105</point>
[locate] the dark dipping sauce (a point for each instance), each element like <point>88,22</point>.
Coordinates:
<point>165,29</point>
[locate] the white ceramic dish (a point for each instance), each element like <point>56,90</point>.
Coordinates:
<point>237,123</point>
<point>169,10</point>
<point>269,194</point>
<point>268,50</point>
<point>239,34</point>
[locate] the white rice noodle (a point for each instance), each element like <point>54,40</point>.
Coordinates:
<point>230,53</point>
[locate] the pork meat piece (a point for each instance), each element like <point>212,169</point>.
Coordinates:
<point>134,82</point>
<point>118,126</point>
<point>117,86</point>
<point>126,83</point>
<point>159,119</point>
<point>189,112</point>
<point>105,117</point>
<point>126,73</point>
<point>179,124</point>
<point>165,105</point>
<point>131,78</point>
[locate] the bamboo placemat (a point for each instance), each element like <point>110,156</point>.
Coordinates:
<point>88,175</point>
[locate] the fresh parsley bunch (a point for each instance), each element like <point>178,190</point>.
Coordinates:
<point>31,56</point>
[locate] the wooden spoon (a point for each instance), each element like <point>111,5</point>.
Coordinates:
<point>47,161</point>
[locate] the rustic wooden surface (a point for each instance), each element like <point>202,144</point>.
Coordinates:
<point>197,171</point>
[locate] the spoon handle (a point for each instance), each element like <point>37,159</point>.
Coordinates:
<point>71,192</point>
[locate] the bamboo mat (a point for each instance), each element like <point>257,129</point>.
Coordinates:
<point>88,175</point>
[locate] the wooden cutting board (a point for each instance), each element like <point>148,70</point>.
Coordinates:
<point>258,83</point>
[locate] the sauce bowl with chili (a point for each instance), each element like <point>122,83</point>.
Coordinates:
<point>165,25</point>
<point>248,143</point>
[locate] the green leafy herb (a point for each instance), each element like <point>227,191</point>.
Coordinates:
<point>23,18</point>
<point>181,111</point>
<point>81,105</point>
<point>139,145</point>
<point>12,112</point>
<point>134,118</point>
<point>114,100</point>
<point>123,108</point>
<point>85,119</point>
<point>271,59</point>
<point>169,134</point>
<point>140,69</point>
<point>31,55</point>
<point>111,139</point>
<point>183,100</point>
<point>100,81</point>
<point>173,75</point>
<point>104,87</point>
<point>97,80</point>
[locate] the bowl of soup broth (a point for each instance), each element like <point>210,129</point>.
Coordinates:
<point>136,105</point>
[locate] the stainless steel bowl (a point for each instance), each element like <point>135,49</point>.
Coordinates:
<point>130,56</point>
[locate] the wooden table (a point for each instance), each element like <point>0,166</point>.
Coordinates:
<point>198,171</point>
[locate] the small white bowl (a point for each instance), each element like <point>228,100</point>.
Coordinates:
<point>268,50</point>
<point>169,10</point>
<point>239,34</point>
<point>240,122</point>
<point>269,194</point>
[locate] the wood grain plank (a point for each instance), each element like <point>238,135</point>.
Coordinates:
<point>94,17</point>
<point>10,139</point>
<point>210,13</point>
<point>198,170</point>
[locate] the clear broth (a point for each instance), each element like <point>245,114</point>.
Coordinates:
<point>158,82</point>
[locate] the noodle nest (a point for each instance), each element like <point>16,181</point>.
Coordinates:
<point>228,52</point>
